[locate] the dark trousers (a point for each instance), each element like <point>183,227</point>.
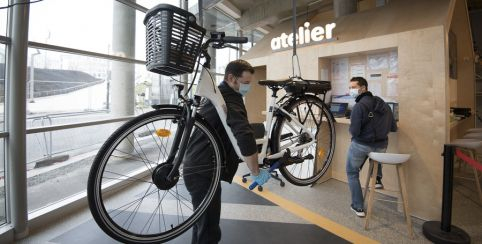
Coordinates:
<point>206,230</point>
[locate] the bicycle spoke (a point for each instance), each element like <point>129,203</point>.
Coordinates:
<point>183,198</point>
<point>132,156</point>
<point>136,208</point>
<point>127,180</point>
<point>161,211</point>
<point>152,216</point>
<point>140,147</point>
<point>301,170</point>
<point>165,147</point>
<point>126,206</point>
<point>144,160</point>
<point>179,200</point>
<point>160,147</point>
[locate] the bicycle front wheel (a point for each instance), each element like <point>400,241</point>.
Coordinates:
<point>316,118</point>
<point>129,196</point>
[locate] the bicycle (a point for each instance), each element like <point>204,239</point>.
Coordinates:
<point>136,187</point>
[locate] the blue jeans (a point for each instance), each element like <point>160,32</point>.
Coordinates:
<point>357,155</point>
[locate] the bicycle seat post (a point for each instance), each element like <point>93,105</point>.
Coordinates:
<point>274,91</point>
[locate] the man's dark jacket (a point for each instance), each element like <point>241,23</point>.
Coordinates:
<point>200,151</point>
<point>360,128</point>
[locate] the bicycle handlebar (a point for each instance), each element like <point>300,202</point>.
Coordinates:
<point>234,39</point>
<point>218,39</point>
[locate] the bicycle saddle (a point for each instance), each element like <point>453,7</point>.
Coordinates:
<point>298,86</point>
<point>274,83</point>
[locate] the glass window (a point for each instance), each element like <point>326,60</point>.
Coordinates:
<point>223,57</point>
<point>89,25</point>
<point>151,3</point>
<point>71,89</point>
<point>62,84</point>
<point>3,218</point>
<point>3,18</point>
<point>2,88</point>
<point>3,32</point>
<point>79,24</point>
<point>66,88</point>
<point>58,162</point>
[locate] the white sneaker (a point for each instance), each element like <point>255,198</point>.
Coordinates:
<point>359,212</point>
<point>378,184</point>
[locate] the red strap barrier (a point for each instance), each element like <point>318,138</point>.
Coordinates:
<point>472,162</point>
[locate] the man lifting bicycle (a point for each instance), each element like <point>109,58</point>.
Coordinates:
<point>237,79</point>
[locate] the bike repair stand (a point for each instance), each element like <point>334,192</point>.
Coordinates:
<point>443,231</point>
<point>274,174</point>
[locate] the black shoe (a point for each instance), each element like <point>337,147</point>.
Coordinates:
<point>359,212</point>
<point>378,184</point>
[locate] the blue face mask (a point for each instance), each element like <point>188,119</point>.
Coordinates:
<point>354,93</point>
<point>244,88</point>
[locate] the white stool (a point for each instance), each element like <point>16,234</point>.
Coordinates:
<point>389,159</point>
<point>474,130</point>
<point>473,135</point>
<point>474,148</point>
<point>476,136</point>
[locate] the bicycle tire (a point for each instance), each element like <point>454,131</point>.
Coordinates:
<point>323,127</point>
<point>102,198</point>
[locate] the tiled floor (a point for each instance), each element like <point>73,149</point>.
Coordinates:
<point>244,212</point>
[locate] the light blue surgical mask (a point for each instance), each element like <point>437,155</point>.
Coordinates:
<point>244,88</point>
<point>354,93</point>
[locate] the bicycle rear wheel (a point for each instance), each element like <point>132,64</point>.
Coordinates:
<point>128,195</point>
<point>313,114</point>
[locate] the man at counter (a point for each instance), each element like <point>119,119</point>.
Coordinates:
<point>371,121</point>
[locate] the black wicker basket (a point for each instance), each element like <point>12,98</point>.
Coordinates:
<point>173,40</point>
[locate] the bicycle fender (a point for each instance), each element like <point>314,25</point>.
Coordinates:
<point>165,106</point>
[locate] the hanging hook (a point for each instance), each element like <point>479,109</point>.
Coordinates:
<point>294,58</point>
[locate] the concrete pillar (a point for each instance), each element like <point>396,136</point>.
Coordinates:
<point>16,117</point>
<point>344,7</point>
<point>122,85</point>
<point>123,74</point>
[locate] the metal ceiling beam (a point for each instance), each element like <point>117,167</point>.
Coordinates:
<point>264,13</point>
<point>228,8</point>
<point>207,4</point>
<point>268,12</point>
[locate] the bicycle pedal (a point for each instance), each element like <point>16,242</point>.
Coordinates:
<point>297,159</point>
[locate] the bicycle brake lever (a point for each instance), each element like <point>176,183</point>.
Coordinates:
<point>219,45</point>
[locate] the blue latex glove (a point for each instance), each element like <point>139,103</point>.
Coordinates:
<point>262,177</point>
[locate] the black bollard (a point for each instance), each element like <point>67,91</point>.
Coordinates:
<point>443,231</point>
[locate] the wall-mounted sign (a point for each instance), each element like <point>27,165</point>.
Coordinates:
<point>304,36</point>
